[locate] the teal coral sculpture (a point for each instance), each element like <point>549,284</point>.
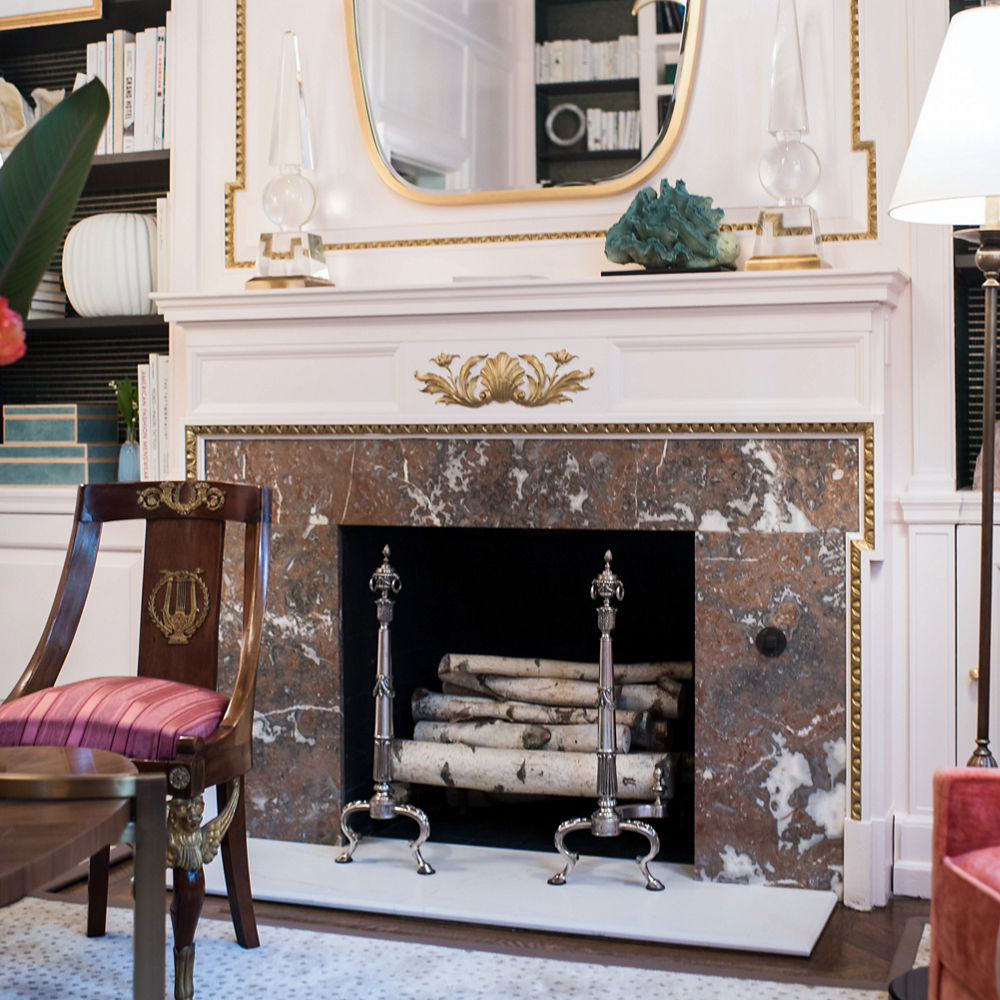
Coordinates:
<point>674,230</point>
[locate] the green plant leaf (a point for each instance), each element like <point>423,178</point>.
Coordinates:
<point>40,183</point>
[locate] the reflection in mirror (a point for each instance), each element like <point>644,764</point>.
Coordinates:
<point>472,100</point>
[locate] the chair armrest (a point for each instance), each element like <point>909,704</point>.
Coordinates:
<point>966,810</point>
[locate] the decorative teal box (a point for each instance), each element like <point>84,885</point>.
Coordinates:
<point>58,464</point>
<point>60,423</point>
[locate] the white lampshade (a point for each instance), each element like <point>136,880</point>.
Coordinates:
<point>953,163</point>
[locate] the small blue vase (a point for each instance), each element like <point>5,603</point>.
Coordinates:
<point>128,462</point>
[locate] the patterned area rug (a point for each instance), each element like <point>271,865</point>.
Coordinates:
<point>46,956</point>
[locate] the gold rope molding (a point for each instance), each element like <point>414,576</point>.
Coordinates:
<point>238,184</point>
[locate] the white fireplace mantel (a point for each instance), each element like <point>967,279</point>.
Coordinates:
<point>710,347</point>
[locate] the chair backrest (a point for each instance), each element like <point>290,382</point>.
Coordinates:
<point>182,585</point>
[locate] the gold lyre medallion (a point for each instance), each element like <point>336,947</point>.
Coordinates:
<point>178,604</point>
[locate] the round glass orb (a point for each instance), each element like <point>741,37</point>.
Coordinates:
<point>789,170</point>
<point>289,200</point>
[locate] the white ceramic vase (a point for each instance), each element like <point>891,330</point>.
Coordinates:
<point>109,264</point>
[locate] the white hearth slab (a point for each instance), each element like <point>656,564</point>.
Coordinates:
<point>602,897</point>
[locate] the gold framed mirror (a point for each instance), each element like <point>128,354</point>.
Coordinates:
<point>473,101</point>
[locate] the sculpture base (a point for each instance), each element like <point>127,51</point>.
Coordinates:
<point>294,259</point>
<point>287,281</point>
<point>783,262</point>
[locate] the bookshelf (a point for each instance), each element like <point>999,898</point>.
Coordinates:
<point>72,359</point>
<point>579,46</point>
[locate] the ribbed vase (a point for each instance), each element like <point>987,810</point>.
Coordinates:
<point>109,264</point>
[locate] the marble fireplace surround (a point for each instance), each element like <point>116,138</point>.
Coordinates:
<point>745,407</point>
<point>772,515</point>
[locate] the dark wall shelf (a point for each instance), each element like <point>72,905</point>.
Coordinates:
<point>130,171</point>
<point>624,85</point>
<point>71,360</point>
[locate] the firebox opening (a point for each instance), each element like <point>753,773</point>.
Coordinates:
<point>516,593</point>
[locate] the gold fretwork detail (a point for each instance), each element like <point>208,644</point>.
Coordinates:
<point>501,379</point>
<point>169,494</point>
<point>189,844</point>
<point>178,604</point>
<point>776,221</point>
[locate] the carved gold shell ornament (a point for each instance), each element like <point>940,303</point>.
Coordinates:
<point>178,604</point>
<point>504,379</point>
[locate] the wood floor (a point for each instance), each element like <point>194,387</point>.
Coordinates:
<point>860,950</point>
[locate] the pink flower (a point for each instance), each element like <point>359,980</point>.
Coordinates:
<point>12,344</point>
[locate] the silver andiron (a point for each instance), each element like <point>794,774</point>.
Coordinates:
<point>383,805</point>
<point>609,819</point>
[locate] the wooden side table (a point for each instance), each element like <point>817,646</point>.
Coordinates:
<point>59,806</point>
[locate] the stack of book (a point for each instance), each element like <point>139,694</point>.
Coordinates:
<point>133,68</point>
<point>153,380</point>
<point>61,444</point>
<point>572,60</point>
<point>612,130</point>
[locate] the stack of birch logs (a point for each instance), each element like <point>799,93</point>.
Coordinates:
<point>503,724</point>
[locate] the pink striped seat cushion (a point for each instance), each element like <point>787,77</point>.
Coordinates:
<point>139,717</point>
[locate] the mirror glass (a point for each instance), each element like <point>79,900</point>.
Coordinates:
<point>470,100</point>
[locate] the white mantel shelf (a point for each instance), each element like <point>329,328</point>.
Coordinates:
<point>722,290</point>
<point>734,347</point>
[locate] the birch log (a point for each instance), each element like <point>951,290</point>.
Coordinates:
<point>434,707</point>
<point>558,691</point>
<point>512,735</point>
<point>583,739</point>
<point>526,772</point>
<point>484,733</point>
<point>512,666</point>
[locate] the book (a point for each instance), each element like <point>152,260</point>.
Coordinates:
<point>118,39</point>
<point>128,98</point>
<point>109,85</point>
<point>162,367</point>
<point>166,68</point>
<point>145,87</point>
<point>154,416</point>
<point>159,87</point>
<point>142,380</point>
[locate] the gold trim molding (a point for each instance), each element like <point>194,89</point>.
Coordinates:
<point>238,184</point>
<point>862,543</point>
<point>501,380</point>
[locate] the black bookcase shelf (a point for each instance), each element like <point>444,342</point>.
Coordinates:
<point>72,359</point>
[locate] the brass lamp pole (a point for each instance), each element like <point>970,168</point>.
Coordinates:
<point>988,261</point>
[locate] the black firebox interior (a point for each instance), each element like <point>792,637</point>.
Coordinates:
<point>510,592</point>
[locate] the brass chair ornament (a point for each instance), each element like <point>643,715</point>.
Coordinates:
<point>609,819</point>
<point>383,805</point>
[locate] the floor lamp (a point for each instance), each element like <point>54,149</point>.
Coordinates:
<point>951,175</point>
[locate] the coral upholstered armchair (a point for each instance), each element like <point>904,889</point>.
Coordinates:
<point>965,884</point>
<point>170,717</point>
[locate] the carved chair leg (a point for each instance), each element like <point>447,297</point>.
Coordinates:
<point>97,892</point>
<point>185,910</point>
<point>189,848</point>
<point>236,866</point>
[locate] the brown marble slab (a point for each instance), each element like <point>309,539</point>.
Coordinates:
<point>771,513</point>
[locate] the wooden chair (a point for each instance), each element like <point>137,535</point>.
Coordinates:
<point>170,717</point>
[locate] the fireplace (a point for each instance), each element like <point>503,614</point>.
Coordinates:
<point>515,593</point>
<point>767,517</point>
